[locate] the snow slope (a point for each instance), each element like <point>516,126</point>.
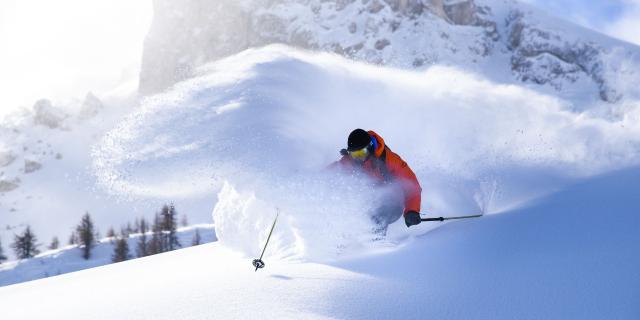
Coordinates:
<point>501,46</point>
<point>264,124</point>
<point>69,258</point>
<point>261,127</point>
<point>45,171</point>
<point>568,255</point>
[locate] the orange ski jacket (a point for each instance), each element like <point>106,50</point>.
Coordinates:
<point>386,166</point>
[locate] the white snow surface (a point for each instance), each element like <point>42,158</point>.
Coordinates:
<point>569,255</point>
<point>559,190</point>
<point>263,125</point>
<point>454,166</point>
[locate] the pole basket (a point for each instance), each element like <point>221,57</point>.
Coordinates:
<point>259,264</point>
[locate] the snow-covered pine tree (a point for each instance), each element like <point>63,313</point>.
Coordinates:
<point>196,238</point>
<point>73,238</point>
<point>111,234</point>
<point>129,229</point>
<point>55,243</point>
<point>142,247</point>
<point>25,245</point>
<point>169,226</point>
<point>2,256</point>
<point>155,245</point>
<point>121,248</point>
<point>86,235</point>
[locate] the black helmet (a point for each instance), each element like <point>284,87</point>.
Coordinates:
<point>358,139</point>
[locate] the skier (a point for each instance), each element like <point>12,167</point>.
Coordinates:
<point>367,152</point>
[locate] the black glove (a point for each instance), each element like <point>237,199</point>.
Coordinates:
<point>412,218</point>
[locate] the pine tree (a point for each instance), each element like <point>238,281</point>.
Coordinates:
<point>196,238</point>
<point>142,248</point>
<point>169,226</point>
<point>25,245</point>
<point>156,242</point>
<point>184,221</point>
<point>55,243</point>
<point>2,256</point>
<point>121,248</point>
<point>129,229</point>
<point>111,234</point>
<point>73,238</point>
<point>86,235</point>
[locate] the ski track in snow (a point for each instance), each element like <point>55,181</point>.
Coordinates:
<point>262,126</point>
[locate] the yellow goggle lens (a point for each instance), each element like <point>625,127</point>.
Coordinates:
<point>359,154</point>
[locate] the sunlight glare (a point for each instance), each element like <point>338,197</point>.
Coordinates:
<point>63,49</point>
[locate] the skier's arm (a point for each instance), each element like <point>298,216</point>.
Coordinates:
<point>408,181</point>
<point>344,161</point>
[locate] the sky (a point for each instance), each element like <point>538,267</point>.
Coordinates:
<point>616,18</point>
<point>65,48</point>
<point>62,49</point>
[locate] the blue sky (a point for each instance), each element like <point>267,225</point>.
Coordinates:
<point>596,13</point>
<point>617,18</point>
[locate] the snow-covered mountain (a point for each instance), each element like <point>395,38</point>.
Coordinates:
<point>43,159</point>
<point>508,41</point>
<point>46,179</point>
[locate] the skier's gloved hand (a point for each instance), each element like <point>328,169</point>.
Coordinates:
<point>411,218</point>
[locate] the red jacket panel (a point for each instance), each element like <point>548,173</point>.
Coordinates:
<point>387,166</point>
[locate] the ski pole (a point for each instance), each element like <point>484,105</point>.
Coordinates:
<point>450,218</point>
<point>258,263</point>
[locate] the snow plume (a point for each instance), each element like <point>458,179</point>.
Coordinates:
<point>320,218</point>
<point>260,127</point>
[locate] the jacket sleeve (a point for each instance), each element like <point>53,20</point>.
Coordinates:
<point>408,181</point>
<point>342,163</point>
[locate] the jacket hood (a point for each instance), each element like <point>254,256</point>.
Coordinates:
<point>380,143</point>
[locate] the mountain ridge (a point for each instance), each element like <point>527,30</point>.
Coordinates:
<point>506,40</point>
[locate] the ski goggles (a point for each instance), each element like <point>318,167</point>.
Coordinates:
<point>360,154</point>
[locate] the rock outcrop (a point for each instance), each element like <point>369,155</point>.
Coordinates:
<point>186,34</point>
<point>47,115</point>
<point>31,166</point>
<point>91,106</point>
<point>9,185</point>
<point>6,158</point>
